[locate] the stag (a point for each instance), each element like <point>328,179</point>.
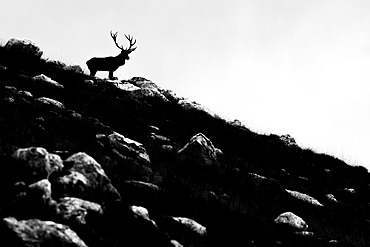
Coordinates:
<point>111,64</point>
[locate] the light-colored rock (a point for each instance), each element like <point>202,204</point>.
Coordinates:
<point>175,243</point>
<point>44,187</point>
<point>331,198</point>
<point>124,145</point>
<point>76,209</point>
<point>304,198</point>
<point>35,232</point>
<point>47,80</point>
<point>200,151</point>
<point>86,179</point>
<point>291,220</point>
<point>51,102</point>
<point>128,87</point>
<point>192,225</point>
<point>140,212</point>
<point>39,160</point>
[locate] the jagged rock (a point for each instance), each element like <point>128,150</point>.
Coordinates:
<point>289,220</point>
<point>200,152</point>
<point>76,210</point>
<point>85,179</point>
<point>42,187</point>
<point>39,161</point>
<point>305,198</point>
<point>186,231</point>
<point>125,145</point>
<point>288,140</point>
<point>47,80</point>
<point>35,232</point>
<point>148,90</point>
<point>23,48</point>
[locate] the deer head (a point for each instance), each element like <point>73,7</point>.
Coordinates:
<point>124,52</point>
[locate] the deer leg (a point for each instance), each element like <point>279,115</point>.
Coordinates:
<point>111,75</point>
<point>92,72</point>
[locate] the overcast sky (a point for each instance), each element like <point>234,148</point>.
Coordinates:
<point>298,67</point>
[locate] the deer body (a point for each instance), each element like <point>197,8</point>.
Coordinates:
<point>111,64</point>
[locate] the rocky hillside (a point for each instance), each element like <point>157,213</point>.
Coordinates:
<point>93,162</point>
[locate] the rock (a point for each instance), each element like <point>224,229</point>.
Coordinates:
<point>331,198</point>
<point>127,87</point>
<point>47,80</point>
<point>192,225</point>
<point>140,212</point>
<point>39,161</point>
<point>35,232</point>
<point>191,105</point>
<point>288,140</point>
<point>200,152</point>
<point>51,102</point>
<point>187,231</point>
<point>25,93</point>
<point>291,221</point>
<point>148,91</point>
<point>85,179</point>
<point>176,244</point>
<point>75,68</point>
<point>305,198</point>
<point>42,187</point>
<point>76,210</point>
<point>23,48</point>
<point>125,145</point>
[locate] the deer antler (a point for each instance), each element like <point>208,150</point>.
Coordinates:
<point>114,37</point>
<point>130,49</point>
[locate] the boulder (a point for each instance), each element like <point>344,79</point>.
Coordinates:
<point>200,152</point>
<point>47,81</point>
<point>43,188</point>
<point>35,232</point>
<point>23,48</point>
<point>85,179</point>
<point>148,91</point>
<point>76,210</point>
<point>39,161</point>
<point>126,146</point>
<point>51,102</point>
<point>187,231</point>
<point>289,220</point>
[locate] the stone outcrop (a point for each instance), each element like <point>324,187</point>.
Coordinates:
<point>85,179</point>
<point>200,152</point>
<point>35,232</point>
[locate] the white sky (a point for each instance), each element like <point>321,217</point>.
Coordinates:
<point>298,67</point>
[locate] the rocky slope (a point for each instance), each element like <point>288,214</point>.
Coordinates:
<point>92,162</point>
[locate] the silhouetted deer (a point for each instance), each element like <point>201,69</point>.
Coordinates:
<point>111,64</point>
